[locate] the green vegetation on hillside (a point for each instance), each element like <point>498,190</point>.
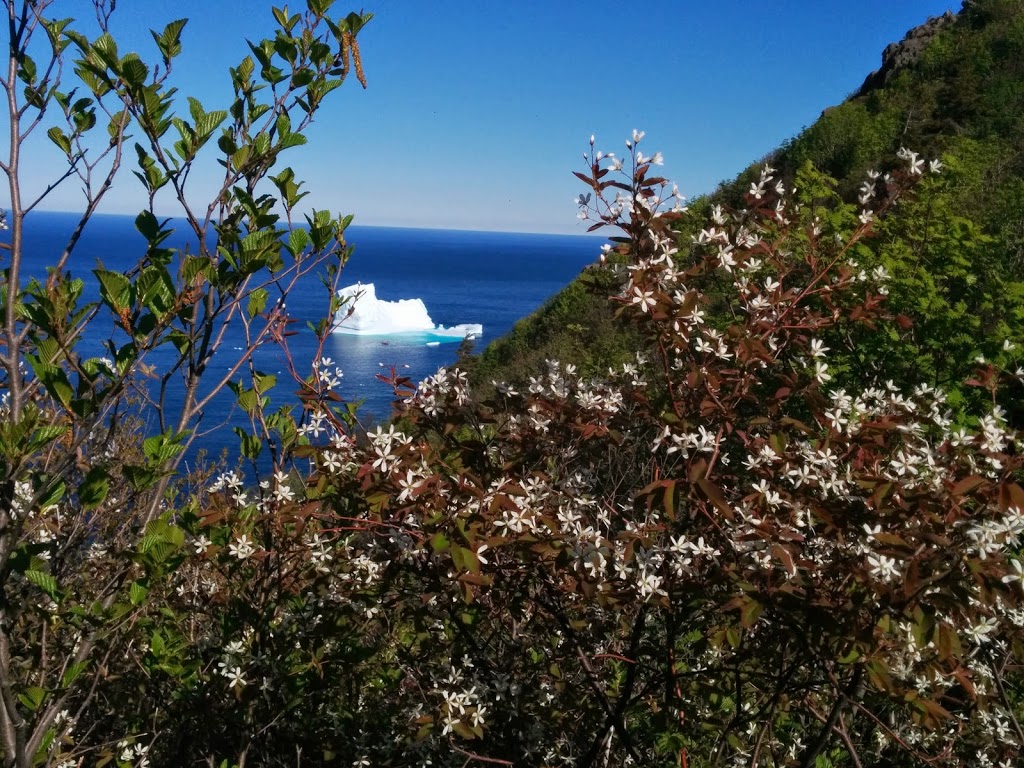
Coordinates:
<point>956,253</point>
<point>576,325</point>
<point>962,101</point>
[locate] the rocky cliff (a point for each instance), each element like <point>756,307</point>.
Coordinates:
<point>905,53</point>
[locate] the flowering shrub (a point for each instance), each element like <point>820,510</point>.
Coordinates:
<point>711,555</point>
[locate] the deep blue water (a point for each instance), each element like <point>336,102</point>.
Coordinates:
<point>463,277</point>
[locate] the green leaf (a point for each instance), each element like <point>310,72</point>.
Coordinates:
<point>464,560</point>
<point>27,69</point>
<point>319,7</point>
<point>162,448</point>
<point>181,341</point>
<point>263,382</point>
<point>106,48</point>
<point>133,70</point>
<point>115,289</point>
<point>137,593</point>
<point>94,489</point>
<point>196,266</point>
<point>750,613</point>
<point>46,435</point>
<point>257,302</point>
<point>250,444</point>
<point>248,401</point>
<point>54,495</point>
<point>169,41</point>
<point>151,541</point>
<point>32,698</point>
<point>62,140</point>
<point>45,582</point>
<point>55,380</point>
<point>117,120</point>
<point>208,123</point>
<point>73,672</point>
<point>297,241</point>
<point>156,289</point>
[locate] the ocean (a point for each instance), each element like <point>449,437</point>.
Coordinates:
<point>487,278</point>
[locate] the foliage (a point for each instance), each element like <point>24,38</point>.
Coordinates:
<point>956,254</point>
<point>91,535</point>
<point>961,100</point>
<point>576,324</point>
<point>713,554</point>
<point>710,557</point>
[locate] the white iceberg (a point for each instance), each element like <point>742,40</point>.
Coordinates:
<point>363,314</point>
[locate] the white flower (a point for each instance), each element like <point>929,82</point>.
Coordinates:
<point>235,676</point>
<point>836,419</point>
<point>883,567</point>
<point>980,632</point>
<point>818,348</point>
<point>234,648</point>
<point>821,372</point>
<point>644,298</point>
<point>904,464</point>
<point>242,548</point>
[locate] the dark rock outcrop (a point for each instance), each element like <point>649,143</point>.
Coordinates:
<point>907,52</point>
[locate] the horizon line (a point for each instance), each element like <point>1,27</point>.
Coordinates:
<point>356,223</point>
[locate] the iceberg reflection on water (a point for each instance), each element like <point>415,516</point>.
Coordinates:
<point>363,314</point>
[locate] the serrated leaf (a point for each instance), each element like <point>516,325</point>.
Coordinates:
<point>161,448</point>
<point>46,435</point>
<point>133,70</point>
<point>298,240</point>
<point>94,488</point>
<point>54,495</point>
<point>169,41</point>
<point>137,593</point>
<point>105,46</point>
<point>208,123</point>
<point>257,302</point>
<point>115,289</point>
<point>156,289</point>
<point>45,582</point>
<point>73,672</point>
<point>150,542</point>
<point>58,137</point>
<point>32,698</point>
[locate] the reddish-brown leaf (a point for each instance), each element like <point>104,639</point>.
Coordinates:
<point>967,485</point>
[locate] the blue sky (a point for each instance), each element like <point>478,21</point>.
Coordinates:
<point>477,110</point>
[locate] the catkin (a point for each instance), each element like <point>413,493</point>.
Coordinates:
<point>360,76</point>
<point>346,39</point>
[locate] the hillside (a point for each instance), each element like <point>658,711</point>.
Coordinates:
<point>952,88</point>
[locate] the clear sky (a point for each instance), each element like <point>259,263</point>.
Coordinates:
<point>477,110</point>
